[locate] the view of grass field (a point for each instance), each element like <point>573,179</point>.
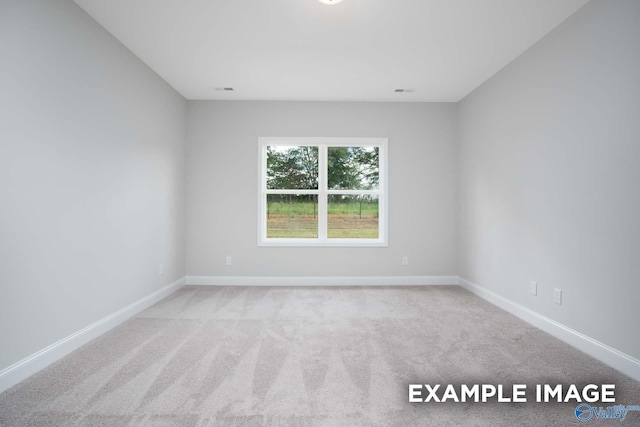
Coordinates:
<point>308,208</point>
<point>352,227</point>
<point>345,220</point>
<point>292,226</point>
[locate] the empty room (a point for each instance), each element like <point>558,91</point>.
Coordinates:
<point>319,212</point>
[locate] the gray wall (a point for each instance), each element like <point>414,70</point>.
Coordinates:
<point>222,187</point>
<point>549,175</point>
<point>91,176</point>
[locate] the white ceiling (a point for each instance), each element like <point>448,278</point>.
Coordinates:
<point>358,50</point>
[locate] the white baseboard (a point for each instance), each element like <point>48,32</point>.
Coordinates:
<point>28,366</point>
<point>604,353</point>
<point>321,280</point>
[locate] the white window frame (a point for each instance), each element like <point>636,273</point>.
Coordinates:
<point>323,192</point>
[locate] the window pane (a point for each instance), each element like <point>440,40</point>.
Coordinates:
<point>352,217</point>
<point>353,168</point>
<point>292,168</point>
<point>292,216</point>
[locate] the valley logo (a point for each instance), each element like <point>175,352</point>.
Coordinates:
<point>584,412</point>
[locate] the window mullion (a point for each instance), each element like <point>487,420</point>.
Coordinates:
<point>293,191</point>
<point>322,196</point>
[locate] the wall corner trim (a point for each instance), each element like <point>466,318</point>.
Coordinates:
<point>34,363</point>
<point>623,362</point>
<point>321,280</point>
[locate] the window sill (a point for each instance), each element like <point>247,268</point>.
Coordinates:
<point>330,243</point>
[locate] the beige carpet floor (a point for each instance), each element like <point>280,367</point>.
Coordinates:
<point>308,356</point>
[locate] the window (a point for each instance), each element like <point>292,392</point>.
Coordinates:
<point>322,192</point>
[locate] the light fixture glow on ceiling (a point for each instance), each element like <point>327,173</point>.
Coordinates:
<point>330,1</point>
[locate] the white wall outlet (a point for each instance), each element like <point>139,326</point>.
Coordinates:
<point>405,260</point>
<point>228,260</point>
<point>557,296</point>
<point>161,270</point>
<point>533,288</point>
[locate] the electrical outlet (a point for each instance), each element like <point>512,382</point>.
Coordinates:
<point>161,270</point>
<point>228,260</point>
<point>533,289</point>
<point>405,260</point>
<point>557,296</point>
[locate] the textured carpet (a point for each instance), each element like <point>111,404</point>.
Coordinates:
<point>308,356</point>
